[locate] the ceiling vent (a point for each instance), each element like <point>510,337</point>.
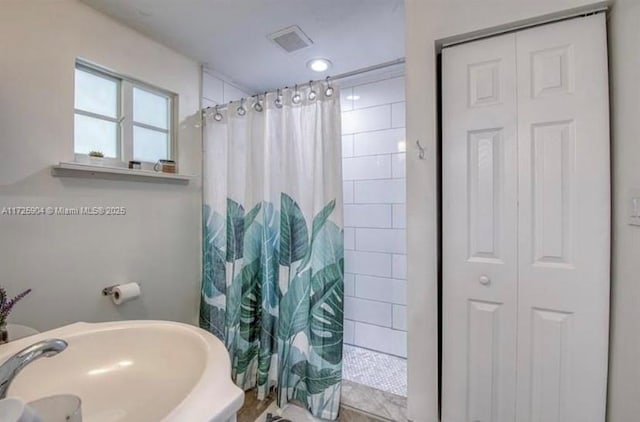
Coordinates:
<point>290,39</point>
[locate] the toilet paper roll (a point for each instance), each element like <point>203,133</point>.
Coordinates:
<point>125,292</point>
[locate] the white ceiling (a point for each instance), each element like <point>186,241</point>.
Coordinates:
<point>230,36</point>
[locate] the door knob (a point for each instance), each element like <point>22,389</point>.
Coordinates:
<point>484,280</point>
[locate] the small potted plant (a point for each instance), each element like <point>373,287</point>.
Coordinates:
<point>95,157</point>
<point>6,305</point>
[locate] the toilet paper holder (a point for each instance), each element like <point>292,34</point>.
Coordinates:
<point>110,290</point>
<point>122,293</point>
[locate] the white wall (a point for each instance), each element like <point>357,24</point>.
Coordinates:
<point>427,22</point>
<point>373,170</point>
<point>67,260</point>
<point>624,365</point>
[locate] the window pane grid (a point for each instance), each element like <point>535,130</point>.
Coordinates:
<point>122,118</point>
<point>97,116</point>
<point>150,127</point>
<point>150,108</point>
<point>150,145</point>
<point>97,93</point>
<point>95,134</point>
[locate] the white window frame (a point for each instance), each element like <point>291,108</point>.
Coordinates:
<point>124,149</point>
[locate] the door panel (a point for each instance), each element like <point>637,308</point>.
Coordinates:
<point>479,223</point>
<point>564,221</point>
<point>526,225</point>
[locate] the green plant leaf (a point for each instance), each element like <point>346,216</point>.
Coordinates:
<point>235,230</point>
<point>294,307</point>
<point>321,218</point>
<point>207,254</point>
<point>267,346</point>
<point>316,380</point>
<point>259,319</point>
<point>294,235</point>
<point>327,247</point>
<point>319,222</point>
<point>250,303</point>
<point>300,394</point>
<point>252,238</point>
<point>269,258</point>
<point>212,319</point>
<point>213,255</point>
<point>269,291</point>
<point>251,216</point>
<point>295,382</point>
<point>244,359</point>
<point>327,313</point>
<point>234,301</point>
<point>327,288</point>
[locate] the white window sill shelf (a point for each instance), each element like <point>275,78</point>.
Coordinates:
<point>72,169</point>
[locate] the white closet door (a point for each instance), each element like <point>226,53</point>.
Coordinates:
<point>564,212</point>
<point>479,231</point>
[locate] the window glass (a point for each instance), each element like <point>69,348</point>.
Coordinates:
<point>149,145</point>
<point>150,109</point>
<point>120,117</point>
<point>96,94</point>
<point>96,135</point>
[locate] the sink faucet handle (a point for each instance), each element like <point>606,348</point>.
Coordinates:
<point>12,366</point>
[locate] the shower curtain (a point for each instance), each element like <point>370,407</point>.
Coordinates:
<point>272,285</point>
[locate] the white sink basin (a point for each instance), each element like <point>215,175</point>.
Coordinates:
<point>134,371</point>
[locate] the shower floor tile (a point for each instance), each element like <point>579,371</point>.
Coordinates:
<point>374,369</point>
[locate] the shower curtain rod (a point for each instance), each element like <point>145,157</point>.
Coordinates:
<point>367,69</point>
<point>328,79</point>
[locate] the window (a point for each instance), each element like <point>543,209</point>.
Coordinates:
<point>98,114</point>
<point>122,118</point>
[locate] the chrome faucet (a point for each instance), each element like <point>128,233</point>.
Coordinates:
<point>24,357</point>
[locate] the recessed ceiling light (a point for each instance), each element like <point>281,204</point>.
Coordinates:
<point>319,65</point>
<point>353,97</point>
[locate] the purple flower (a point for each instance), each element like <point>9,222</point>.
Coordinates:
<point>7,305</point>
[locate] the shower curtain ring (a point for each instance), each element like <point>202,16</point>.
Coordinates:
<point>312,93</point>
<point>218,116</point>
<point>329,91</point>
<point>257,106</point>
<point>296,99</point>
<point>241,110</point>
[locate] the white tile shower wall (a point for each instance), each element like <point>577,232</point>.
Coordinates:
<point>382,289</point>
<point>370,263</point>
<point>386,340</point>
<point>368,215</point>
<point>216,90</point>
<point>373,146</point>
<point>388,191</point>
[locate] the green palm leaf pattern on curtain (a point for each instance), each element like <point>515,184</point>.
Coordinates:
<point>214,288</point>
<point>294,236</point>
<point>264,317</point>
<point>270,293</point>
<point>313,307</point>
<point>273,255</point>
